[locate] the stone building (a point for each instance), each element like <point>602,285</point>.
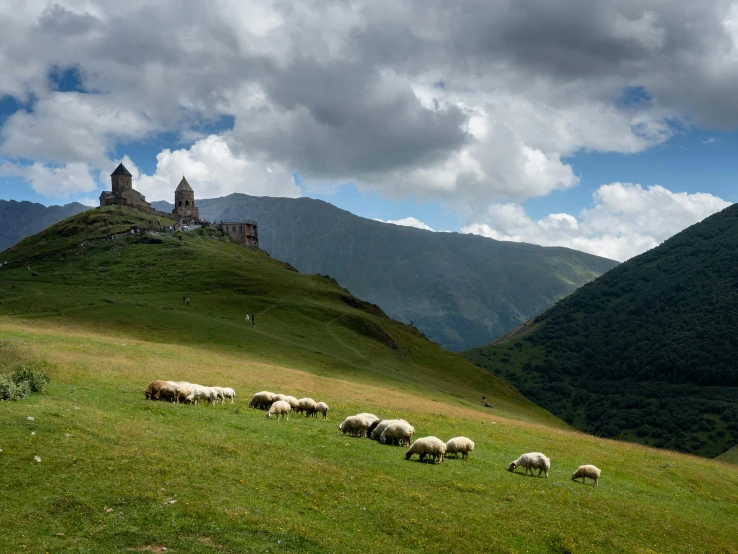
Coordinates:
<point>245,232</point>
<point>184,201</point>
<point>123,192</point>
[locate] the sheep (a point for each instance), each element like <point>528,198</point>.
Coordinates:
<point>153,388</point>
<point>459,444</point>
<point>531,461</point>
<point>354,425</point>
<point>229,393</point>
<point>587,471</point>
<point>398,432</point>
<point>279,397</point>
<point>381,426</point>
<point>427,446</point>
<point>307,405</point>
<point>262,400</point>
<point>220,394</point>
<point>280,408</point>
<point>294,402</point>
<point>202,393</point>
<point>167,392</point>
<point>322,407</point>
<point>370,417</point>
<point>373,426</point>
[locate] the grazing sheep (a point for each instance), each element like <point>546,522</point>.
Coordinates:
<point>381,426</point>
<point>229,393</point>
<point>279,397</point>
<point>531,461</point>
<point>427,446</point>
<point>373,426</point>
<point>398,433</point>
<point>307,405</point>
<point>153,388</point>
<point>294,402</point>
<point>322,407</point>
<point>202,393</point>
<point>220,394</point>
<point>459,444</point>
<point>280,408</point>
<point>262,400</point>
<point>370,417</point>
<point>355,426</point>
<point>167,392</point>
<point>587,471</point>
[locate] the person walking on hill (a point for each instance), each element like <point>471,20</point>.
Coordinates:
<point>253,319</point>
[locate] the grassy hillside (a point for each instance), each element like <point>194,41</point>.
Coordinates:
<point>646,352</point>
<point>119,473</point>
<point>460,290</point>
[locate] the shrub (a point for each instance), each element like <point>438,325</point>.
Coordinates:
<point>36,378</point>
<point>7,388</point>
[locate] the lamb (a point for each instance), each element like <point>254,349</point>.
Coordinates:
<point>262,400</point>
<point>398,432</point>
<point>202,393</point>
<point>531,461</point>
<point>280,408</point>
<point>307,405</point>
<point>354,425</point>
<point>381,426</point>
<point>587,471</point>
<point>459,444</point>
<point>427,446</point>
<point>153,388</point>
<point>322,407</point>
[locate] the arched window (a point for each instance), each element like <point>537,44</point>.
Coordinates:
<point>180,203</point>
<point>187,202</point>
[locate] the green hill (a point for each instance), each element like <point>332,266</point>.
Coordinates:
<point>460,290</point>
<point>646,352</point>
<point>117,473</point>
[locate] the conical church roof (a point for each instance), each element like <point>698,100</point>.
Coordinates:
<point>121,170</point>
<point>184,186</point>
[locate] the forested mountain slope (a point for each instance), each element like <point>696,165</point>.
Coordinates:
<point>647,352</point>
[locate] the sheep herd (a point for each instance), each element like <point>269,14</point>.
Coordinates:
<point>182,392</point>
<point>386,431</point>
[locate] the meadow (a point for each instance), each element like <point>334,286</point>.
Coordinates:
<point>119,473</point>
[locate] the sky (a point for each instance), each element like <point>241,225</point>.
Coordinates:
<point>601,126</point>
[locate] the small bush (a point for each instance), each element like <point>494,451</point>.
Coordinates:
<point>22,382</point>
<point>36,378</point>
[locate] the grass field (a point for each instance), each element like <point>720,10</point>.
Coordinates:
<point>120,473</point>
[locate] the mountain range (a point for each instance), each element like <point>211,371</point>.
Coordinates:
<point>22,219</point>
<point>460,290</point>
<point>647,352</point>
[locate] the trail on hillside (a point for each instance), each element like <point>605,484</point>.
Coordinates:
<point>340,341</point>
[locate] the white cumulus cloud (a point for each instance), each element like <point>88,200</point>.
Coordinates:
<point>213,170</point>
<point>625,220</point>
<point>54,181</point>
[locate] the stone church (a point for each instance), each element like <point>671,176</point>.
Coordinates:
<point>123,193</point>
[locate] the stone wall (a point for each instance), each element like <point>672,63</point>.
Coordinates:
<point>245,232</point>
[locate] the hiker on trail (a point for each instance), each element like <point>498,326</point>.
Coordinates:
<point>247,317</point>
<point>412,322</point>
<point>253,319</point>
<point>188,300</point>
<point>484,399</point>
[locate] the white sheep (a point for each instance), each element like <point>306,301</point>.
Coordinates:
<point>531,461</point>
<point>280,408</point>
<point>354,425</point>
<point>262,400</point>
<point>322,407</point>
<point>370,417</point>
<point>279,397</point>
<point>587,471</point>
<point>220,394</point>
<point>294,402</point>
<point>398,433</point>
<point>229,393</point>
<point>459,444</point>
<point>202,393</point>
<point>427,446</point>
<point>381,426</point>
<point>307,405</point>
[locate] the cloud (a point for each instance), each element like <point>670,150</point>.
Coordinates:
<point>54,182</point>
<point>467,103</point>
<point>212,170</point>
<point>625,220</point>
<point>407,222</point>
